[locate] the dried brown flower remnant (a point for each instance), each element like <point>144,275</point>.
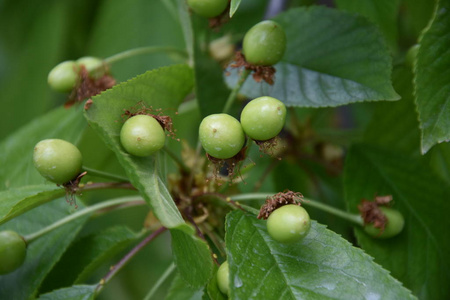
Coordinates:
<point>71,188</point>
<point>278,200</point>
<point>232,164</point>
<point>88,104</point>
<point>372,214</point>
<point>87,87</point>
<point>383,200</point>
<point>216,23</point>
<point>270,147</point>
<point>266,73</point>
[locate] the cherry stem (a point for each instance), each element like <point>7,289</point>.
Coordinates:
<point>236,90</point>
<point>103,186</point>
<point>117,267</point>
<point>145,50</point>
<point>106,175</point>
<point>88,210</point>
<point>160,281</point>
<point>176,159</point>
<point>353,218</point>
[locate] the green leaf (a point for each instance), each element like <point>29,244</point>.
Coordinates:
<point>192,257</point>
<point>322,266</point>
<point>332,58</point>
<point>422,198</point>
<point>181,290</point>
<point>16,160</point>
<point>76,292</point>
<point>432,87</point>
<point>87,254</point>
<point>164,89</point>
<point>394,124</point>
<point>42,254</point>
<point>440,160</point>
<point>17,201</point>
<point>383,13</point>
<point>234,5</point>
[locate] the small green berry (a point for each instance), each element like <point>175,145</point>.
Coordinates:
<point>264,44</point>
<point>95,66</point>
<point>208,8</point>
<point>394,225</point>
<point>63,77</point>
<point>221,136</point>
<point>12,251</point>
<point>57,160</point>
<point>288,224</point>
<point>223,278</point>
<point>142,135</point>
<point>263,118</point>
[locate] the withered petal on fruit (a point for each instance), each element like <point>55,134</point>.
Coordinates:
<point>87,87</point>
<point>278,200</point>
<point>266,73</point>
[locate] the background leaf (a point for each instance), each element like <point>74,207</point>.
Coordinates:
<point>440,160</point>
<point>414,17</point>
<point>432,71</point>
<point>76,292</point>
<point>192,257</point>
<point>395,125</point>
<point>164,88</point>
<point>321,266</point>
<point>181,290</point>
<point>43,253</point>
<point>418,256</point>
<point>138,23</point>
<point>86,255</point>
<point>14,202</point>
<point>210,89</point>
<point>332,58</point>
<point>37,36</point>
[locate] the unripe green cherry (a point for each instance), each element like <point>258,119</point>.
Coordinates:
<point>63,77</point>
<point>12,251</point>
<point>142,135</point>
<point>288,224</point>
<point>264,44</point>
<point>223,278</point>
<point>221,136</point>
<point>57,160</point>
<point>394,225</point>
<point>95,66</point>
<point>208,8</point>
<point>263,118</point>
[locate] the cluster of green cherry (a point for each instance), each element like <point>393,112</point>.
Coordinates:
<point>60,162</point>
<point>64,76</point>
<point>263,45</point>
<point>223,137</point>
